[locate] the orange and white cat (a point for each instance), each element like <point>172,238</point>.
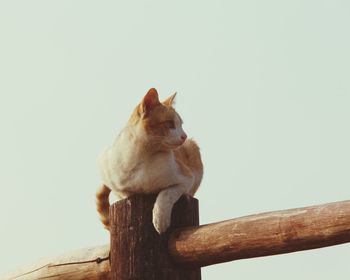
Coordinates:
<point>151,155</point>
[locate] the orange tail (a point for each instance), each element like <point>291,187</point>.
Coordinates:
<point>102,204</point>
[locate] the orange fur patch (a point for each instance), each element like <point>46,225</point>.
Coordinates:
<point>155,131</point>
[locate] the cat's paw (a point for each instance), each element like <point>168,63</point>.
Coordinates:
<point>161,219</point>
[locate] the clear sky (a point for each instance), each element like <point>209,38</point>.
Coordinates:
<point>263,86</point>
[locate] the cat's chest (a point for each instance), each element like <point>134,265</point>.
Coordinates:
<point>140,174</point>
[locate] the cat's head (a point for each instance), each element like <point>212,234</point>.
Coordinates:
<point>159,121</point>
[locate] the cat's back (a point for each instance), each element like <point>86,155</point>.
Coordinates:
<point>112,159</point>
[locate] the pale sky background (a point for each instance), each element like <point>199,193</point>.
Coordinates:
<point>263,86</point>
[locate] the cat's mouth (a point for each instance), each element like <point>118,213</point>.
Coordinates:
<point>172,146</point>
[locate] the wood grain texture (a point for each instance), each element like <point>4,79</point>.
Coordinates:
<point>140,253</point>
<point>89,264</point>
<point>137,250</point>
<point>262,235</point>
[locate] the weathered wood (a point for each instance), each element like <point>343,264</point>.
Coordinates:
<point>138,252</point>
<point>262,235</point>
<point>145,255</point>
<point>88,264</point>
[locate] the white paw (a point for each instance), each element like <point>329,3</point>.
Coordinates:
<point>161,219</point>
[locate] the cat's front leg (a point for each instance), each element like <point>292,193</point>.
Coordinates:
<point>164,204</point>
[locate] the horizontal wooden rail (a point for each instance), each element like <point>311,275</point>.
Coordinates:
<point>246,237</point>
<point>86,264</point>
<point>263,235</point>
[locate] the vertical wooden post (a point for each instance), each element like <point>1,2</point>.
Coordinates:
<point>138,252</point>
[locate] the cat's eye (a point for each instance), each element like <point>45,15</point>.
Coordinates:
<point>169,124</point>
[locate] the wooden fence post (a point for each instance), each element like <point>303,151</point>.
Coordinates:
<point>138,252</point>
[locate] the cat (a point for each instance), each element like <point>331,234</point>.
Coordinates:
<point>152,154</point>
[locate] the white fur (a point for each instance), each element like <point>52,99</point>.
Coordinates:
<point>165,201</point>
<point>177,134</point>
<point>127,167</point>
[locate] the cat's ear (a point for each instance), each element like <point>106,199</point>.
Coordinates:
<point>149,102</point>
<point>170,101</point>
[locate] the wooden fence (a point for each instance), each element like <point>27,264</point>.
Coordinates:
<point>137,252</point>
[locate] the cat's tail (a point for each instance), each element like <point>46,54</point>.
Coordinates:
<point>102,205</point>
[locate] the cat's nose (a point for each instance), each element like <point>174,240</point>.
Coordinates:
<point>183,137</point>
